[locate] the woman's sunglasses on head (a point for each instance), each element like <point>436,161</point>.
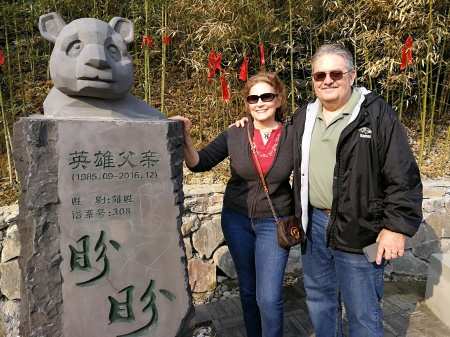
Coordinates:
<point>267,97</point>
<point>335,75</point>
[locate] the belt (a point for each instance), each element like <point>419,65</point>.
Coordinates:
<point>328,211</point>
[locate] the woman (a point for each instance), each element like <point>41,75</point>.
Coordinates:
<point>247,220</point>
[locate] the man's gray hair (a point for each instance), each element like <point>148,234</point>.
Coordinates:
<point>337,49</point>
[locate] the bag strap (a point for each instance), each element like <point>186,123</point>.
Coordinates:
<point>260,172</point>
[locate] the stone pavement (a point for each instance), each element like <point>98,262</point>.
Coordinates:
<point>404,313</point>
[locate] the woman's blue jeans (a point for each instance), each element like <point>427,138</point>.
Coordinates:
<point>333,275</point>
<point>260,265</point>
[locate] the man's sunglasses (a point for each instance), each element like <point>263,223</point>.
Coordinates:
<point>335,75</point>
<point>267,97</point>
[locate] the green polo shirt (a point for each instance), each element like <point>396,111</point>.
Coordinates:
<point>323,153</point>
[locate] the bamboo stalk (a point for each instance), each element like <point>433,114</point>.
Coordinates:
<point>388,76</point>
<point>444,156</point>
<point>355,59</point>
<point>10,82</point>
<point>19,65</point>
<point>216,112</point>
<point>443,102</point>
<point>7,138</point>
<point>260,39</point>
<point>224,117</point>
<point>311,48</point>
<point>163,58</point>
<point>434,98</point>
<point>31,50</point>
<point>366,54</point>
<point>200,107</point>
<point>402,95</point>
<point>425,90</point>
<point>291,44</point>
<point>147,79</point>
<point>105,12</point>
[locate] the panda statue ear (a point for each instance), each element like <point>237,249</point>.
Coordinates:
<point>124,27</point>
<point>50,25</point>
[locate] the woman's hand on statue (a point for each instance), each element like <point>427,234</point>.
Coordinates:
<point>190,154</point>
<point>186,123</point>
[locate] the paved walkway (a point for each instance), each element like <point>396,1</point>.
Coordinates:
<point>404,313</point>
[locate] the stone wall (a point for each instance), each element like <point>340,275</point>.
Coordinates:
<point>209,258</point>
<point>9,272</point>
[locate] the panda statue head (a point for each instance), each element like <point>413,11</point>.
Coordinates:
<point>90,56</point>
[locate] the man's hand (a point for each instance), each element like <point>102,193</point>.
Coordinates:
<point>240,123</point>
<point>391,244</point>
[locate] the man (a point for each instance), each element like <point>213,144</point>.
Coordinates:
<point>356,182</point>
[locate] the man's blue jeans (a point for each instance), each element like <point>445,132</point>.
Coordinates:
<point>260,265</point>
<point>333,275</point>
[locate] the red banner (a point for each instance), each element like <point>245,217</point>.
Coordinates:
<point>216,66</point>
<point>261,51</point>
<point>407,53</point>
<point>2,60</point>
<point>225,93</point>
<point>244,69</point>
<point>147,41</point>
<point>212,58</point>
<point>213,65</point>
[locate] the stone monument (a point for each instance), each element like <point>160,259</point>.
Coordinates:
<point>101,200</point>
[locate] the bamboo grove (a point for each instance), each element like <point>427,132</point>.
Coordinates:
<point>178,42</point>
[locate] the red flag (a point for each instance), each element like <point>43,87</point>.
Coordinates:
<point>146,40</point>
<point>215,67</point>
<point>407,53</point>
<point>167,40</point>
<point>2,60</point>
<point>261,50</point>
<point>212,58</point>
<point>225,93</point>
<point>244,69</point>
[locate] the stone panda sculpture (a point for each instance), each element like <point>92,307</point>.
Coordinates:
<point>91,69</point>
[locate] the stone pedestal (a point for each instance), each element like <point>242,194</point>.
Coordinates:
<point>100,228</point>
<point>437,295</point>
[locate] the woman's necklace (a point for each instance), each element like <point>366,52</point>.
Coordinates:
<point>266,134</point>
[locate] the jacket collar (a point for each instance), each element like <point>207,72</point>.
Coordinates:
<point>313,107</point>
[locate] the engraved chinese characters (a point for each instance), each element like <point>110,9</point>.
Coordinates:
<point>115,209</point>
<point>105,165</point>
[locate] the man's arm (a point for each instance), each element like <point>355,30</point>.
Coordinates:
<point>240,123</point>
<point>402,187</point>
